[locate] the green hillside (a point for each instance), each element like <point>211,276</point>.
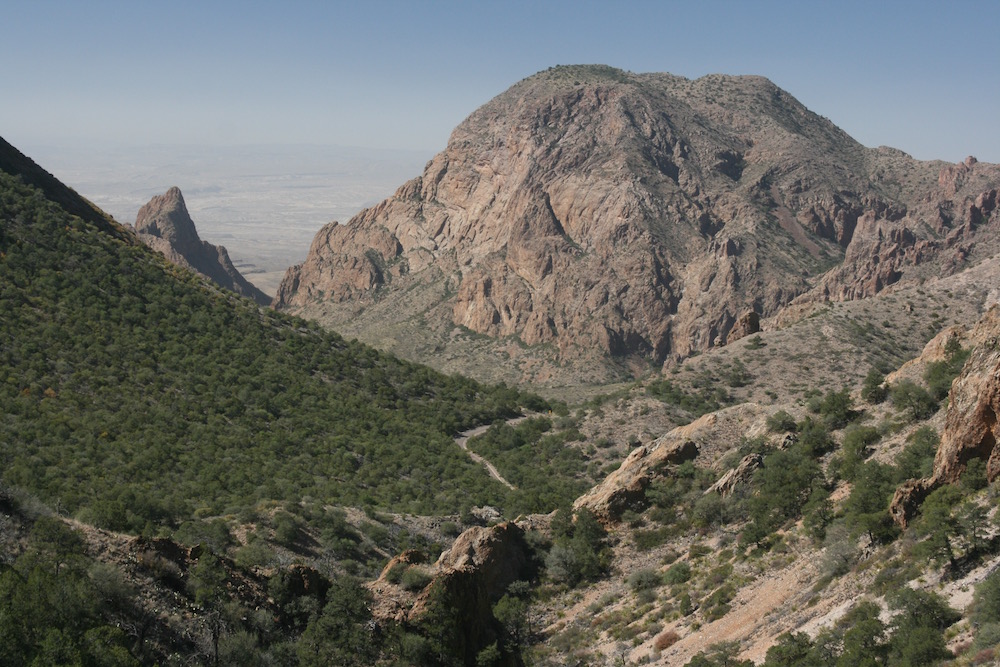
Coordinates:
<point>136,395</point>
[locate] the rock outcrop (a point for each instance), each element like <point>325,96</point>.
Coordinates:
<point>625,488</point>
<point>707,438</point>
<point>467,581</point>
<point>970,430</point>
<point>736,477</point>
<point>641,217</point>
<point>164,225</point>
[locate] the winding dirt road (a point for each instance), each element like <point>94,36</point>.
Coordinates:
<point>463,441</point>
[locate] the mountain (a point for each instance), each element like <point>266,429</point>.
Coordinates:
<point>588,223</point>
<point>187,477</point>
<point>128,384</point>
<point>165,225</point>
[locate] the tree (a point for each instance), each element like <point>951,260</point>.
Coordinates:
<point>792,650</point>
<point>872,389</point>
<point>723,654</point>
<point>864,642</point>
<point>986,603</point>
<point>340,634</point>
<point>937,524</point>
<point>207,579</point>
<point>783,484</point>
<point>512,612</point>
<point>918,628</point>
<point>867,508</point>
<point>912,399</point>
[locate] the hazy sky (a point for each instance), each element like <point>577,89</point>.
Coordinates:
<point>920,76</point>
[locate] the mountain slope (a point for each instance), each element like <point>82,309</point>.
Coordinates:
<point>590,221</point>
<point>165,225</point>
<point>136,393</point>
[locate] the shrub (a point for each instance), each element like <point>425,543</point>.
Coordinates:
<point>395,573</point>
<point>414,579</point>
<point>781,422</point>
<point>836,408</point>
<point>873,390</point>
<point>450,529</point>
<point>913,399</point>
<point>939,374</point>
<point>665,640</point>
<point>986,608</point>
<point>678,573</point>
<point>917,458</point>
<point>644,579</point>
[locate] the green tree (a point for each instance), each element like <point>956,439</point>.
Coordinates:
<point>511,611</point>
<point>937,524</point>
<point>913,399</point>
<point>207,580</point>
<point>918,628</point>
<point>340,634</point>
<point>867,508</point>
<point>791,650</point>
<point>872,389</point>
<point>864,641</point>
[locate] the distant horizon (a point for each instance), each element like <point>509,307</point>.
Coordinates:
<point>390,74</point>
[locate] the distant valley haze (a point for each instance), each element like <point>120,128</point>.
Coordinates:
<point>263,203</point>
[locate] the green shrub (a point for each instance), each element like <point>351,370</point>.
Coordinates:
<point>913,399</point>
<point>644,579</point>
<point>414,579</point>
<point>873,389</point>
<point>917,458</point>
<point>939,374</point>
<point>836,408</point>
<point>678,573</point>
<point>781,422</point>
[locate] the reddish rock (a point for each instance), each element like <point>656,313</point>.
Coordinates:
<point>747,324</point>
<point>636,217</point>
<point>970,430</point>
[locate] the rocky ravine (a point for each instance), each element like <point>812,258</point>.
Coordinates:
<point>165,225</point>
<point>596,214</point>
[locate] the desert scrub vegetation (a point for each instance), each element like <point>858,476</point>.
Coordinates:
<point>136,394</point>
<point>533,455</point>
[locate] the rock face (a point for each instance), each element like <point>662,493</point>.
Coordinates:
<point>706,438</point>
<point>737,477</point>
<point>468,579</point>
<point>638,216</point>
<point>970,430</point>
<point>165,226</point>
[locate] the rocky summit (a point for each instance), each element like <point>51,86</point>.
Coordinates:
<point>632,219</point>
<point>165,225</point>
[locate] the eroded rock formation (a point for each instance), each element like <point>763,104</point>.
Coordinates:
<point>164,225</point>
<point>467,580</point>
<point>641,216</point>
<point>970,430</point>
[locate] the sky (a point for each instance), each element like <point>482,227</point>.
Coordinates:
<point>919,76</point>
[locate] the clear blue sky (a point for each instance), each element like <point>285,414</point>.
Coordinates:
<point>920,76</point>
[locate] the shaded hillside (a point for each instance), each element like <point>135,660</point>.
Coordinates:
<point>165,225</point>
<point>136,394</point>
<point>588,223</point>
<point>15,163</point>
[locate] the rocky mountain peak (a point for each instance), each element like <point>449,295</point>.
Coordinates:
<point>166,217</point>
<point>591,214</point>
<point>165,225</point>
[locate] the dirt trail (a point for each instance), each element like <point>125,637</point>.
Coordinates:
<point>463,441</point>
